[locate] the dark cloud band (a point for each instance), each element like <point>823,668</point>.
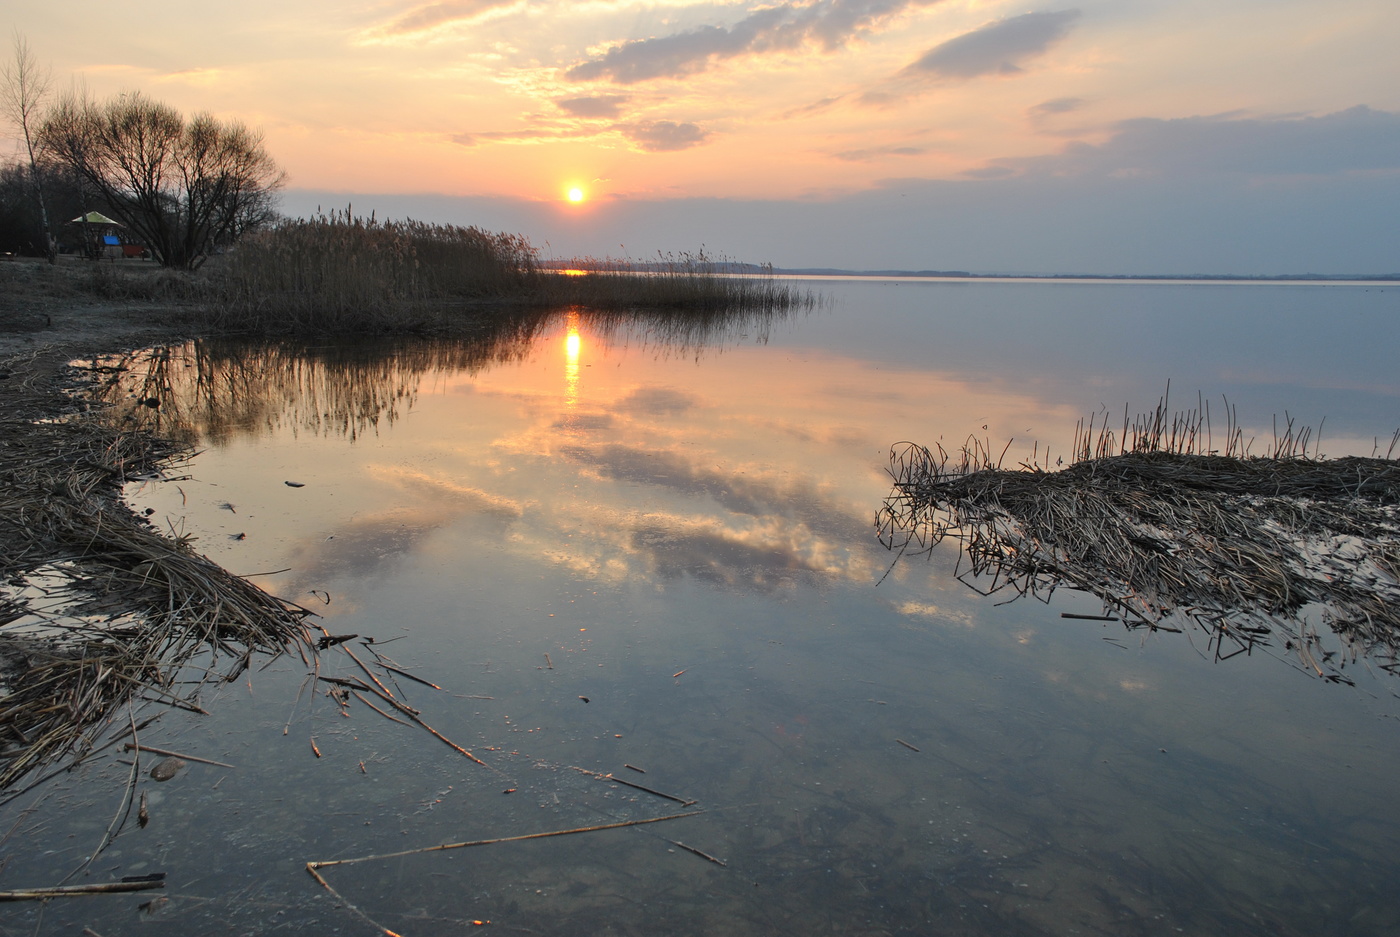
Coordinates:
<point>827,24</point>
<point>996,48</point>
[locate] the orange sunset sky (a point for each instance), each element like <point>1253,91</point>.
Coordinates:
<point>826,132</point>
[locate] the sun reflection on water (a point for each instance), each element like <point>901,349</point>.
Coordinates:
<point>572,345</point>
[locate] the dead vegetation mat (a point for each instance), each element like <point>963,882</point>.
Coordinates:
<point>100,612</point>
<point>1258,551</point>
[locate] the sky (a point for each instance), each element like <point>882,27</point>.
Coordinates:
<point>1095,136</point>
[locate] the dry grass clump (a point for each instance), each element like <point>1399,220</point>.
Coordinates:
<point>1251,548</point>
<point>100,610</point>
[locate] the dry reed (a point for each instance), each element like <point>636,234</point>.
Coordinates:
<point>1156,524</point>
<point>101,609</point>
<point>343,273</point>
<point>693,283</point>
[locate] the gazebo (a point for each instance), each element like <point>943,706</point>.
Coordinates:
<point>105,237</point>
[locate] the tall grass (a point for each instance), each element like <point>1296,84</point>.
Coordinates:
<point>343,273</point>
<point>689,282</point>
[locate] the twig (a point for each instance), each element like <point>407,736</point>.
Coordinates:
<point>161,751</point>
<point>405,673</point>
<point>312,866</point>
<point>377,709</point>
<point>701,854</point>
<point>681,801</point>
<point>122,809</point>
<point>347,903</point>
<point>63,891</point>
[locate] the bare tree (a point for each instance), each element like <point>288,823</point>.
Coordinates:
<point>24,85</point>
<point>184,188</point>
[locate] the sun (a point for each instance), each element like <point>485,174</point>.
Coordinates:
<point>576,195</point>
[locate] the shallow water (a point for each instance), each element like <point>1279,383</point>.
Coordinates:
<point>615,544</point>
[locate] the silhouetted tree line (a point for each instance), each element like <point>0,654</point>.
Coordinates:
<point>22,227</point>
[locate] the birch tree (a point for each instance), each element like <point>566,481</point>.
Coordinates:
<point>24,87</point>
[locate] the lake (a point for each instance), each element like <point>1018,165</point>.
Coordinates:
<point>627,551</point>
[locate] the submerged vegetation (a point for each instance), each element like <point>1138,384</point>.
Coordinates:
<point>1257,550</point>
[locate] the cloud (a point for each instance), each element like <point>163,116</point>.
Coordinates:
<point>432,15</point>
<point>753,563</point>
<point>652,136</point>
<point>536,135</point>
<point>1356,140</point>
<point>657,136</point>
<point>828,24</point>
<point>655,401</point>
<point>602,105</point>
<point>816,107</point>
<point>857,156</point>
<point>996,48</point>
<point>1055,106</point>
<point>795,502</point>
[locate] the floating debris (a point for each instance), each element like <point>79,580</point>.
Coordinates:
<point>167,769</point>
<point>698,852</point>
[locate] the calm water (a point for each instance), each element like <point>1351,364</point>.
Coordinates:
<point>615,545</point>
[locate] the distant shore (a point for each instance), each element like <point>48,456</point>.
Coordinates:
<point>741,268</point>
<point>1133,277</point>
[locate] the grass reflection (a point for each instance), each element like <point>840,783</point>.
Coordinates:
<point>214,390</point>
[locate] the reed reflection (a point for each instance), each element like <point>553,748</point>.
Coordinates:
<point>211,391</point>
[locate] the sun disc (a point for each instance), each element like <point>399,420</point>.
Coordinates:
<point>576,195</point>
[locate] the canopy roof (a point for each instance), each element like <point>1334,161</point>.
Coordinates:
<point>96,217</point>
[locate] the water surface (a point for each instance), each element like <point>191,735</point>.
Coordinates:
<point>613,543</point>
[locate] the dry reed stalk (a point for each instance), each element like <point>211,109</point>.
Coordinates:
<point>311,866</point>
<point>65,891</point>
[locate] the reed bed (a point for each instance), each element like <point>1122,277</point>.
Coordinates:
<point>102,612</point>
<point>343,273</point>
<point>693,283</point>
<point>1254,549</point>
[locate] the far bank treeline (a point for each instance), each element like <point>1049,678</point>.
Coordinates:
<point>132,177</point>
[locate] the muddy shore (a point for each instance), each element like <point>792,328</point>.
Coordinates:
<point>50,315</point>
